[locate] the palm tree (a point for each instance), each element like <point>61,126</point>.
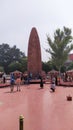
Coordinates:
<point>60,47</point>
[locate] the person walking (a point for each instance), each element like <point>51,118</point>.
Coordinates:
<point>4,78</point>
<point>12,82</point>
<point>53,84</point>
<point>41,82</point>
<point>18,82</point>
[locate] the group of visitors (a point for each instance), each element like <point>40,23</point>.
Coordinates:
<point>15,80</point>
<point>67,77</point>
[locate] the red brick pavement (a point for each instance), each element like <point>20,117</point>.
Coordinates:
<point>42,109</point>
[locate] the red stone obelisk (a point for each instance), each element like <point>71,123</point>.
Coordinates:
<point>34,54</point>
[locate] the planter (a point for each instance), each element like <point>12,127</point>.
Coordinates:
<point>69,98</point>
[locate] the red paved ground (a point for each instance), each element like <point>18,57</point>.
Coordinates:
<point>42,109</point>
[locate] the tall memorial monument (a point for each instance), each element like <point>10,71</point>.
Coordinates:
<point>34,65</point>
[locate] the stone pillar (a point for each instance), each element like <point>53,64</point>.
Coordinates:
<point>34,53</point>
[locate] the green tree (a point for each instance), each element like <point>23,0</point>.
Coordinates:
<point>23,62</point>
<point>47,66</point>
<point>70,66</point>
<point>8,55</point>
<point>21,65</point>
<point>1,69</point>
<point>60,47</point>
<point>14,66</point>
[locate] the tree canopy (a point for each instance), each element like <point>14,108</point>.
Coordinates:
<point>9,54</point>
<point>60,47</point>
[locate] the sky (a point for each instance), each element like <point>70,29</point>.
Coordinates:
<point>17,17</point>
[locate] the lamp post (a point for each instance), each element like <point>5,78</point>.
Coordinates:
<point>21,118</point>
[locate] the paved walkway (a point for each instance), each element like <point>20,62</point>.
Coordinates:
<point>42,109</point>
